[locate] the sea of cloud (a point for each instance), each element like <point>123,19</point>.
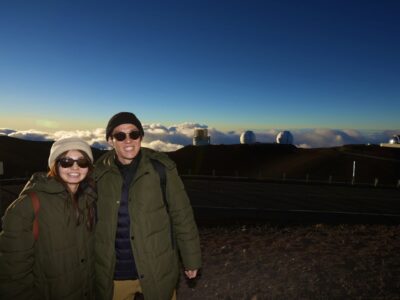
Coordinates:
<point>163,138</point>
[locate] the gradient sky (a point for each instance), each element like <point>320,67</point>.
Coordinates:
<point>231,65</point>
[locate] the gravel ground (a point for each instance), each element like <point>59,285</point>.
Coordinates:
<point>297,262</point>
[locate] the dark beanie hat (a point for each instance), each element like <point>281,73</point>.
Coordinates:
<point>123,118</point>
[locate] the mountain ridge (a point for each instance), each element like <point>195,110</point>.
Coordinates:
<point>21,158</point>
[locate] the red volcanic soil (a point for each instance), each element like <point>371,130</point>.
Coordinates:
<point>297,262</point>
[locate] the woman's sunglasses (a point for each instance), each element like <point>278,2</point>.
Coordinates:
<point>68,162</point>
<point>121,136</point>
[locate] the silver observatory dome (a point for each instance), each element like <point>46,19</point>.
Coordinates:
<point>395,139</point>
<point>284,137</point>
<point>248,137</point>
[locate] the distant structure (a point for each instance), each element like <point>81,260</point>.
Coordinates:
<point>395,139</point>
<point>248,137</point>
<point>394,142</point>
<point>201,137</point>
<point>284,137</point>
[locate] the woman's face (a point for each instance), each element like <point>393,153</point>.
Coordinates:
<point>72,175</point>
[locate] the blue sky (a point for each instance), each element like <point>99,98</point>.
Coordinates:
<point>229,65</point>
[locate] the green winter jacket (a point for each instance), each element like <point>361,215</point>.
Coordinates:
<point>156,257</point>
<point>59,265</point>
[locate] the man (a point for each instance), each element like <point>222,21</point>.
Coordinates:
<point>139,235</point>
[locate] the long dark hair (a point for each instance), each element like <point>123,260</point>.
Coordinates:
<point>87,183</point>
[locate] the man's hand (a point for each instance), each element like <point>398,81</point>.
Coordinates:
<point>191,273</point>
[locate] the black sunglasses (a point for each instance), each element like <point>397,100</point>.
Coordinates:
<point>121,136</point>
<point>68,162</point>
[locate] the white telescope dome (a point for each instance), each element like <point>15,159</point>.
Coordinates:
<point>284,137</point>
<point>395,139</point>
<point>248,137</point>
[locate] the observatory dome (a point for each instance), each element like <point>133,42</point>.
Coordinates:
<point>395,139</point>
<point>284,137</point>
<point>248,137</point>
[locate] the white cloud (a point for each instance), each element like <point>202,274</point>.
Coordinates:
<point>162,138</point>
<point>6,131</point>
<point>162,146</point>
<point>314,138</point>
<point>178,135</point>
<point>32,135</point>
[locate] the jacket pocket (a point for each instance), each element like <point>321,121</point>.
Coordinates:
<point>158,233</point>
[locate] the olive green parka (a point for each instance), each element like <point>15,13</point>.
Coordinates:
<point>156,254</point>
<point>59,265</point>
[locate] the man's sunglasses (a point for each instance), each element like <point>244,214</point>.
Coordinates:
<point>121,136</point>
<point>68,162</point>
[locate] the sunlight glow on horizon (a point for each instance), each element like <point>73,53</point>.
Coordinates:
<point>232,65</point>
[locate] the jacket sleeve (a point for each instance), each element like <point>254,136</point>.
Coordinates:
<point>184,225</point>
<point>17,251</point>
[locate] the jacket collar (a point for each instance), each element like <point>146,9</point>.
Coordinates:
<point>106,164</point>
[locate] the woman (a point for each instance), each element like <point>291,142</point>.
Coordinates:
<point>46,253</point>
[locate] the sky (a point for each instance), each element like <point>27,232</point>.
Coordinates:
<point>328,71</point>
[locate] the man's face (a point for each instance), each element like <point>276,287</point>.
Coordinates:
<point>127,149</point>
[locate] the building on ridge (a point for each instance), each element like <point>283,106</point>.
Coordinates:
<point>284,137</point>
<point>201,137</point>
<point>248,137</point>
